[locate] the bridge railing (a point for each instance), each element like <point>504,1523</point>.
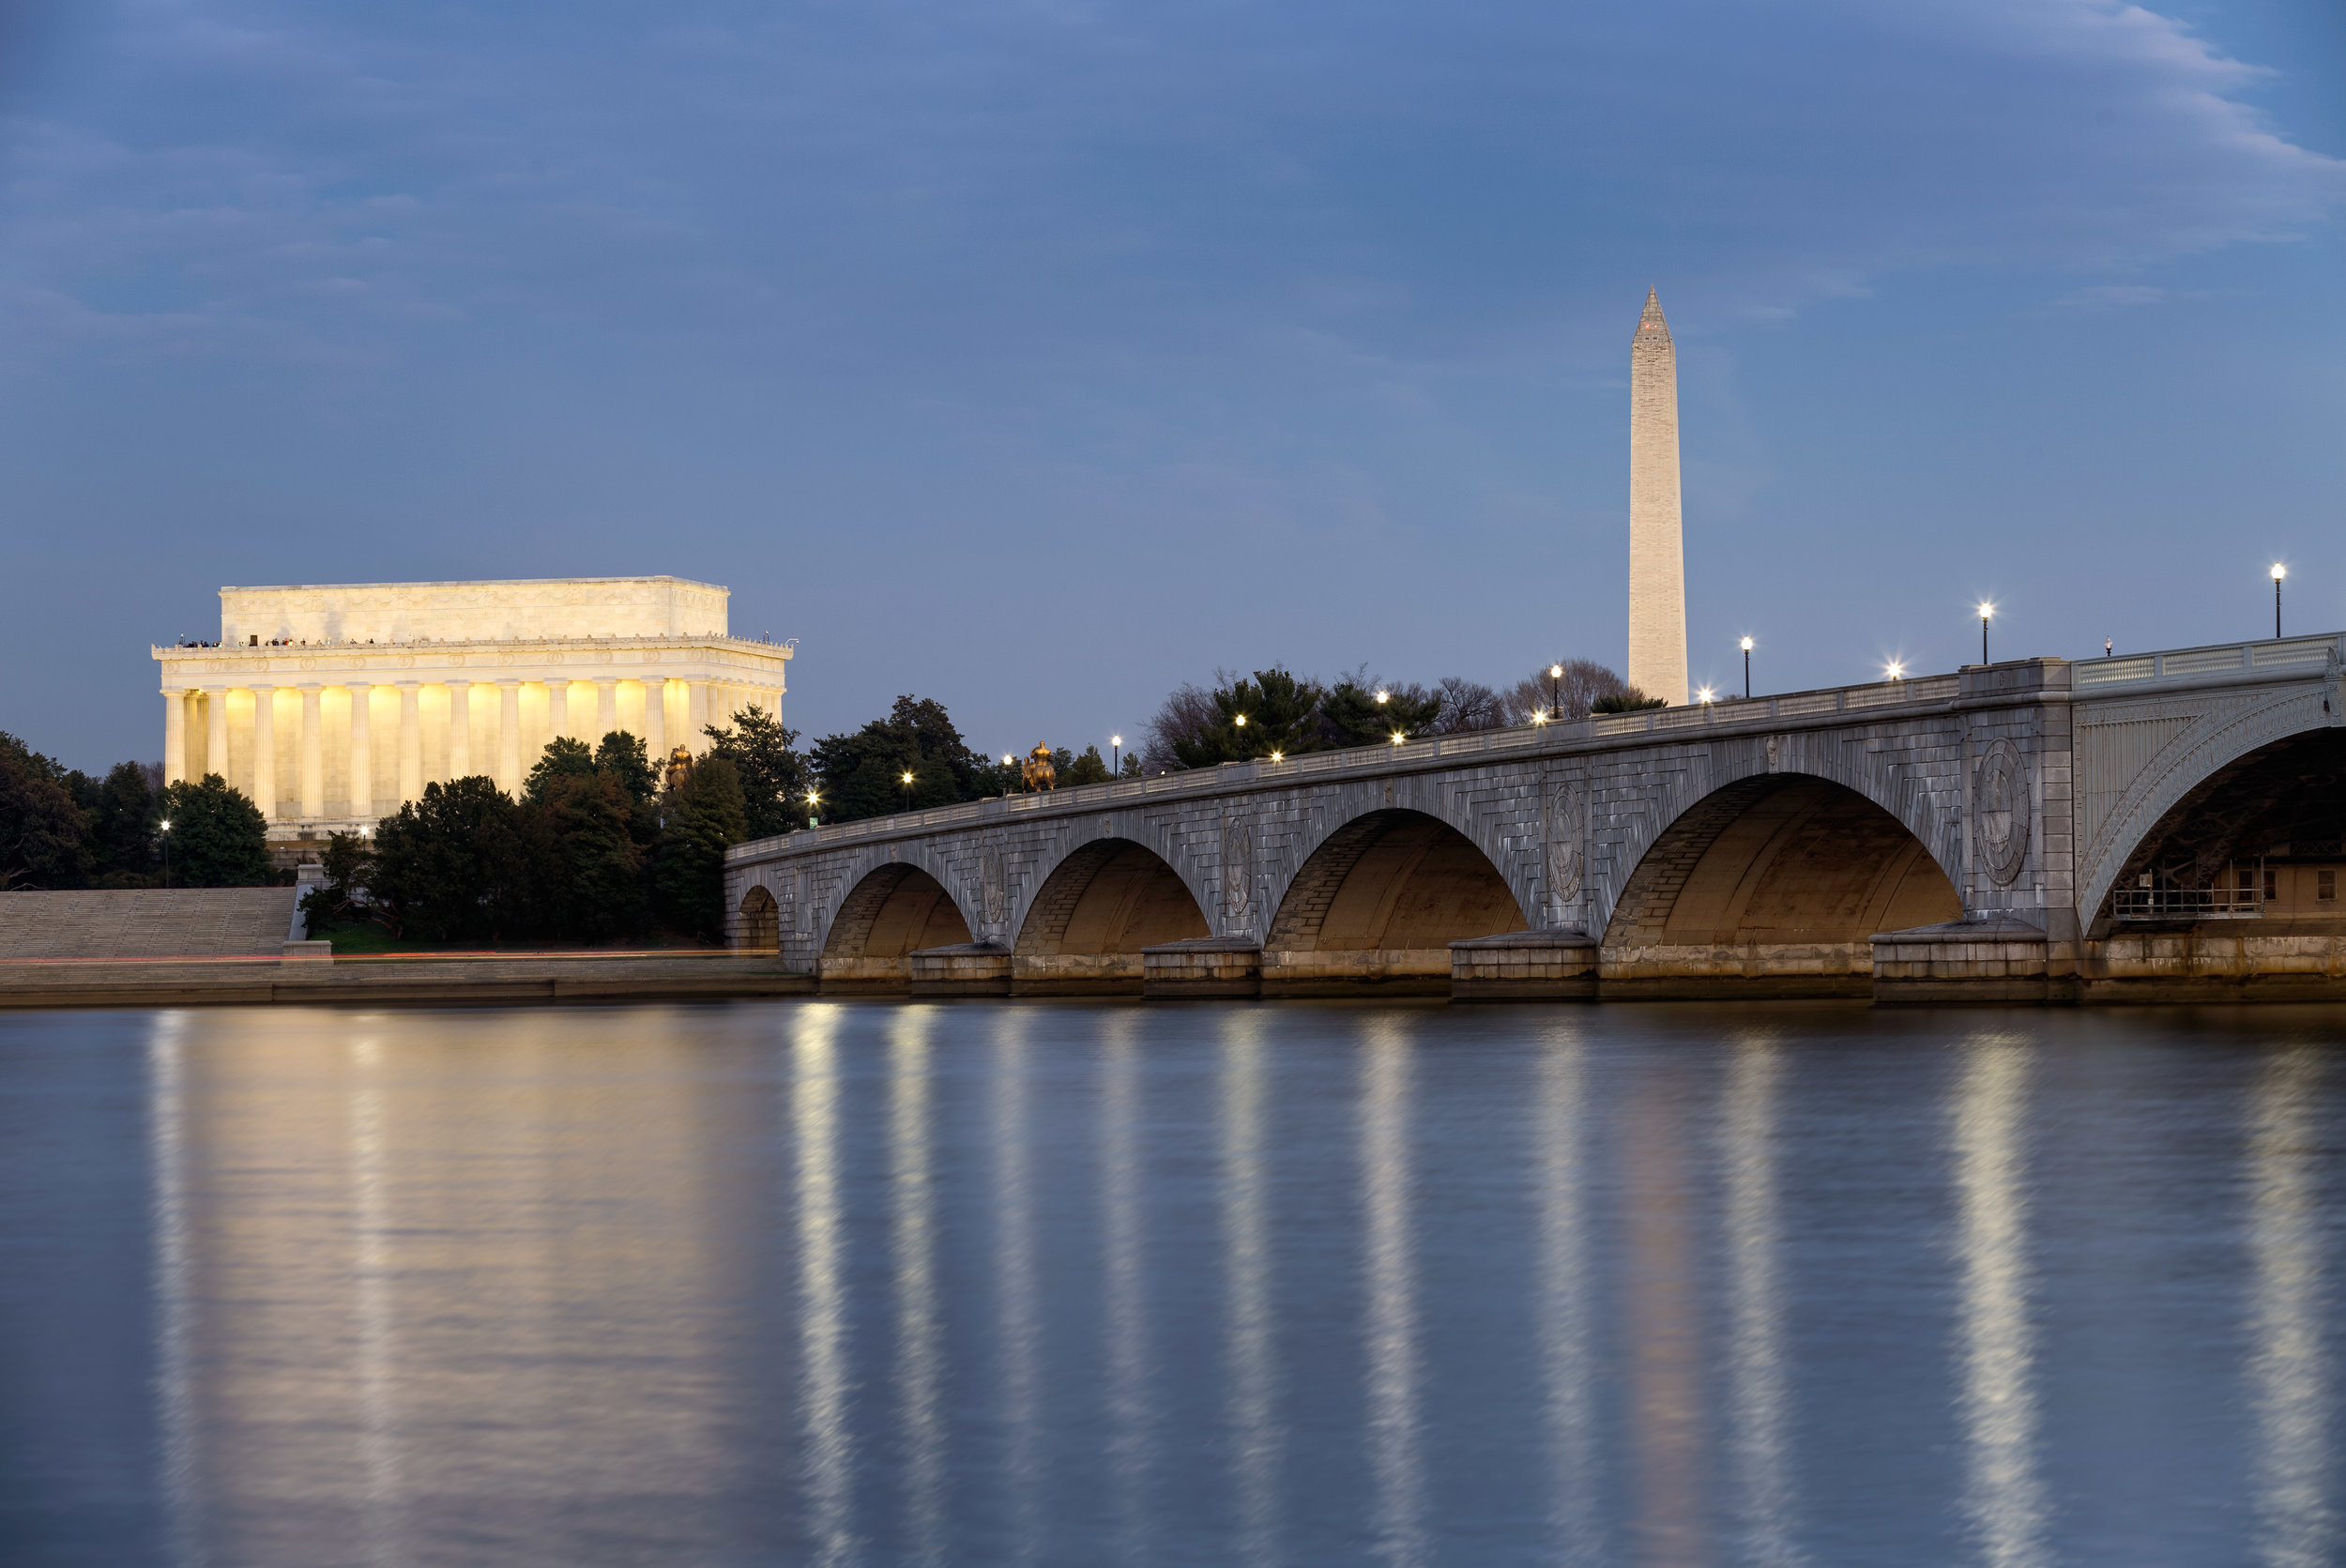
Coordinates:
<point>1370,759</point>
<point>2215,662</point>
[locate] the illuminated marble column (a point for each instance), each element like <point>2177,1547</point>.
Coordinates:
<point>606,710</point>
<point>264,751</point>
<point>459,753</point>
<point>559,708</point>
<point>410,742</point>
<point>362,752</point>
<point>696,715</point>
<point>656,719</point>
<point>216,731</point>
<point>175,737</point>
<point>312,755</point>
<point>510,736</point>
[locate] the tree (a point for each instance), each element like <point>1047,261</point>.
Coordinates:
<point>123,813</point>
<point>590,882</point>
<point>1089,768</point>
<point>457,864</point>
<point>704,814</point>
<point>1187,710</point>
<point>1280,713</point>
<point>862,774</point>
<point>217,837</point>
<point>774,777</point>
<point>348,863</point>
<point>1629,700</point>
<point>1356,718</point>
<point>621,755</point>
<point>1571,695</point>
<point>42,831</point>
<point>1469,704</point>
<point>563,758</point>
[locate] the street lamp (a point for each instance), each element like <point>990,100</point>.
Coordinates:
<point>1746,667</point>
<point>1704,694</point>
<point>1894,670</point>
<point>2279,571</point>
<point>908,782</point>
<point>1539,715</point>
<point>813,801</point>
<point>1555,688</point>
<point>1381,697</point>
<point>1278,756</point>
<point>1398,738</point>
<point>1115,756</point>
<point>165,825</point>
<point>1986,611</point>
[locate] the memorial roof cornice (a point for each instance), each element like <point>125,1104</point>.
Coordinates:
<point>454,652</point>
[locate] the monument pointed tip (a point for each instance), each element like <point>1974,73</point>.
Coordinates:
<point>1652,305</point>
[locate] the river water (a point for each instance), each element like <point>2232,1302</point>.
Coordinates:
<point>816,1282</point>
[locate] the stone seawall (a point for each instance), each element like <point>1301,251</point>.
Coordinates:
<point>394,981</point>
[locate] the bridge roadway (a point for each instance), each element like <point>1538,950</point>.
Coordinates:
<point>1953,837</point>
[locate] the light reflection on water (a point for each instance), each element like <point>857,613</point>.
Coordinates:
<point>1072,1284</point>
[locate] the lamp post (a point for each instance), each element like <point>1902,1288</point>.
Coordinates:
<point>1115,756</point>
<point>813,801</point>
<point>2279,571</point>
<point>165,826</point>
<point>908,782</point>
<point>1893,671</point>
<point>1746,669</point>
<point>1555,688</point>
<point>1986,611</point>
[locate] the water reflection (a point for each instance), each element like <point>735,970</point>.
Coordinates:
<point>1129,1412</point>
<point>2288,1369</point>
<point>371,1274</point>
<point>822,1285</point>
<point>2004,1496</point>
<point>1663,1321</point>
<point>919,1329</point>
<point>843,1282</point>
<point>1566,1326</point>
<point>1395,1452</point>
<point>1249,1349</point>
<point>1760,1397</point>
<point>174,1290</point>
<point>1016,1329</point>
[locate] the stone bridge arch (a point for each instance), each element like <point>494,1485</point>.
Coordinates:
<point>1092,911</point>
<point>1760,799</point>
<point>1489,808</point>
<point>883,907</point>
<point>2140,761</point>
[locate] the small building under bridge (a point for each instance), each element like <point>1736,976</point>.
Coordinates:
<point>2159,825</point>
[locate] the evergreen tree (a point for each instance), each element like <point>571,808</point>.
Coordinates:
<point>123,817</point>
<point>593,881</point>
<point>217,837</point>
<point>621,754</point>
<point>564,758</point>
<point>1353,711</point>
<point>774,777</point>
<point>42,831</point>
<point>456,865</point>
<point>703,814</point>
<point>862,774</point>
<point>1089,768</point>
<point>1272,712</point>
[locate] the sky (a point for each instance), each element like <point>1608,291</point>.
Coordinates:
<point>1039,357</point>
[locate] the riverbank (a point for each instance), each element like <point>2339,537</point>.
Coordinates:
<point>398,980</point>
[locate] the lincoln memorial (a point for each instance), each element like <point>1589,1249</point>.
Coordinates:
<point>329,705</point>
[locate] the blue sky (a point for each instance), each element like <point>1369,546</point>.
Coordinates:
<point>1038,356</point>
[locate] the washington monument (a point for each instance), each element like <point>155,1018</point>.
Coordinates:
<point>1657,562</point>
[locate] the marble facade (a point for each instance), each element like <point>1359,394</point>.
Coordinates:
<point>330,706</point>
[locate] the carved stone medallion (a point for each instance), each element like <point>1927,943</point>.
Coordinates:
<point>993,891</point>
<point>1563,842</point>
<point>1237,869</point>
<point>1999,811</point>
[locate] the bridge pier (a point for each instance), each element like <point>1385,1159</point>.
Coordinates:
<point>1524,966</point>
<point>1206,967</point>
<point>1984,958</point>
<point>962,969</point>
